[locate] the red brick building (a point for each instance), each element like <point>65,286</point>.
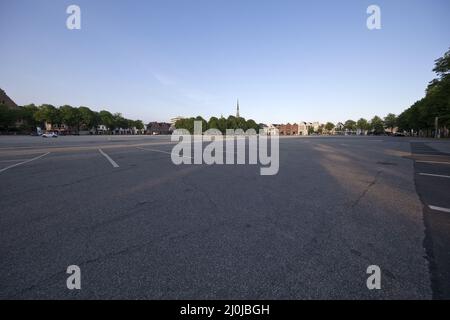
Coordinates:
<point>288,129</point>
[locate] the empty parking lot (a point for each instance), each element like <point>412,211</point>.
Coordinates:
<point>139,226</point>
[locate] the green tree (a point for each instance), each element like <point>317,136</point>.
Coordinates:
<point>390,121</point>
<point>138,124</point>
<point>241,123</point>
<point>213,123</point>
<point>377,125</point>
<point>420,117</point>
<point>329,126</point>
<point>442,65</point>
<point>8,117</point>
<point>350,125</point>
<point>26,114</point>
<point>88,118</point>
<point>186,123</point>
<point>251,124</point>
<point>107,119</point>
<point>120,121</point>
<point>222,124</point>
<point>362,124</point>
<point>232,122</point>
<point>47,113</point>
<point>70,116</point>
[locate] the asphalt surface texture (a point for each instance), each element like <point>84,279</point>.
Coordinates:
<point>141,227</point>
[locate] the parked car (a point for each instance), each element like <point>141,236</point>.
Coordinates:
<point>50,135</point>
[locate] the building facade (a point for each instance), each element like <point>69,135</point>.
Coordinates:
<point>157,128</point>
<point>288,129</point>
<point>303,128</point>
<point>174,120</point>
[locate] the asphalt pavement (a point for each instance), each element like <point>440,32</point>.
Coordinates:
<point>140,227</point>
<point>432,172</point>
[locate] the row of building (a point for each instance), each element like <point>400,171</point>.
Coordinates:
<point>302,128</point>
<point>307,128</point>
<point>296,129</point>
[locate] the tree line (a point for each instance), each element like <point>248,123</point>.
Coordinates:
<point>420,117</point>
<point>30,116</point>
<point>221,123</point>
<point>376,125</point>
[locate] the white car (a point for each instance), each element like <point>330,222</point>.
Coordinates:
<point>50,135</point>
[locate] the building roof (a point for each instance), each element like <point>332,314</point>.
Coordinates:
<point>4,99</point>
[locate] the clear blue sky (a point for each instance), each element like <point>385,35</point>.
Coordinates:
<point>286,61</point>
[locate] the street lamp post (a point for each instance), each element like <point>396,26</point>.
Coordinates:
<point>436,134</point>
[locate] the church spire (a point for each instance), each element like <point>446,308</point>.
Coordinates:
<point>237,109</point>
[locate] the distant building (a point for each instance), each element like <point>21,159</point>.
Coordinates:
<point>123,131</point>
<point>102,129</point>
<point>62,128</point>
<point>387,130</point>
<point>237,109</point>
<point>174,120</point>
<point>303,128</point>
<point>7,101</point>
<point>271,129</point>
<point>157,128</point>
<point>339,129</point>
<point>315,125</point>
<point>288,129</point>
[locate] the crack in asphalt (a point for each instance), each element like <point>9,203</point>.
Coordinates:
<point>369,186</point>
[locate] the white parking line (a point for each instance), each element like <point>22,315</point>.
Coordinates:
<point>114,164</point>
<point>160,151</point>
<point>434,175</point>
<point>23,162</point>
<point>438,162</point>
<point>439,209</point>
<point>14,160</point>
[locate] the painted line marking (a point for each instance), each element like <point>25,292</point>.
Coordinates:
<point>114,164</point>
<point>434,175</point>
<point>14,160</point>
<point>23,162</point>
<point>430,154</point>
<point>161,151</point>
<point>439,162</point>
<point>439,209</point>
